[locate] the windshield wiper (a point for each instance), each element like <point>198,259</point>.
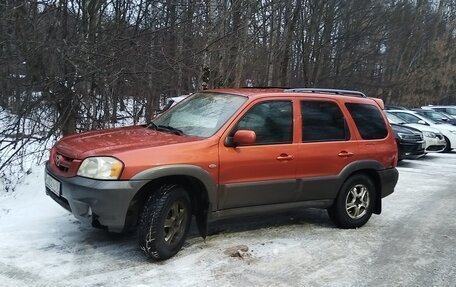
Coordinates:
<point>163,128</point>
<point>171,129</point>
<point>152,125</point>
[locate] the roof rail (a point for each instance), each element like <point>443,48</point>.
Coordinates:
<point>264,87</point>
<point>324,91</point>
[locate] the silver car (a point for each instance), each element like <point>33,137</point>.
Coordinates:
<point>450,110</point>
<point>435,141</point>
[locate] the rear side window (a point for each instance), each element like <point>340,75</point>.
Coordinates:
<point>369,121</point>
<point>323,121</point>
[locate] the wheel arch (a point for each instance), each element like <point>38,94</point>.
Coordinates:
<point>369,168</point>
<point>198,183</point>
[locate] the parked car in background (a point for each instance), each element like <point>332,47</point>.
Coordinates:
<point>410,142</point>
<point>448,131</point>
<point>228,153</point>
<point>434,139</point>
<point>176,100</point>
<point>439,117</point>
<point>392,107</point>
<point>450,110</point>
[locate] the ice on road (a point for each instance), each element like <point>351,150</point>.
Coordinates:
<point>412,243</point>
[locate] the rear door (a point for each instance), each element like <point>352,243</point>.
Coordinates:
<point>325,148</point>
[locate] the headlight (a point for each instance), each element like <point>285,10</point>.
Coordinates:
<point>429,134</point>
<point>101,168</point>
<point>403,136</point>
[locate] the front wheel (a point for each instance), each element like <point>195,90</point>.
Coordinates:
<point>448,145</point>
<point>354,204</point>
<point>164,222</point>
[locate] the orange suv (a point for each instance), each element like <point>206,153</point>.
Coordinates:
<point>229,153</point>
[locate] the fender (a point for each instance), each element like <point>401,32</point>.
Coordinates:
<point>195,172</point>
<point>365,165</point>
<point>183,169</point>
<point>356,166</point>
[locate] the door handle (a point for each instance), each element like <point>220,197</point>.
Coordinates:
<point>284,156</point>
<point>345,154</point>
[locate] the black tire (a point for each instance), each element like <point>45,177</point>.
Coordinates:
<point>448,145</point>
<point>169,204</point>
<point>343,211</point>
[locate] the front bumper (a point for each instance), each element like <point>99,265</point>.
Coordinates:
<point>101,203</point>
<point>411,150</point>
<point>435,144</point>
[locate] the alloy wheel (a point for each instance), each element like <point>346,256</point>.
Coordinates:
<point>357,201</point>
<point>175,223</point>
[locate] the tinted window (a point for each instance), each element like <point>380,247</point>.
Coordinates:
<point>323,121</point>
<point>271,121</point>
<point>369,121</point>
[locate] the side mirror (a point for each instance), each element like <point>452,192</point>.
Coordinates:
<point>241,137</point>
<point>421,122</point>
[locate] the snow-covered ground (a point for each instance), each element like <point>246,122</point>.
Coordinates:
<point>412,243</point>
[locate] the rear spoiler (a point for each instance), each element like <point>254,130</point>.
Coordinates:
<point>379,102</point>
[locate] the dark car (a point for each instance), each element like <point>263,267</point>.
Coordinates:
<point>436,116</point>
<point>410,142</point>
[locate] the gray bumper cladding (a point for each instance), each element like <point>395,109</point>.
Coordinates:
<point>101,203</point>
<point>388,178</point>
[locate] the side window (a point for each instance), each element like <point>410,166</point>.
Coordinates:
<point>368,120</point>
<point>272,122</point>
<point>323,121</point>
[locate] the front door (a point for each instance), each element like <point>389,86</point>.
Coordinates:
<point>264,172</point>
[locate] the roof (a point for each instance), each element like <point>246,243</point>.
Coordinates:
<point>310,92</point>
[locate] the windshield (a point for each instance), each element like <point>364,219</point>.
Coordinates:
<point>436,116</point>
<point>201,114</point>
<point>451,111</point>
<point>413,118</point>
<point>394,119</point>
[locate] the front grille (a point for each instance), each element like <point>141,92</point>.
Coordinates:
<point>416,137</point>
<point>62,162</point>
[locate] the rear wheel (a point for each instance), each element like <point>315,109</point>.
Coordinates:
<point>164,222</point>
<point>354,204</point>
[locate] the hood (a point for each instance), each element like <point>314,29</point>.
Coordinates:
<point>405,130</point>
<point>408,134</point>
<point>444,127</point>
<point>111,141</point>
<point>423,128</point>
